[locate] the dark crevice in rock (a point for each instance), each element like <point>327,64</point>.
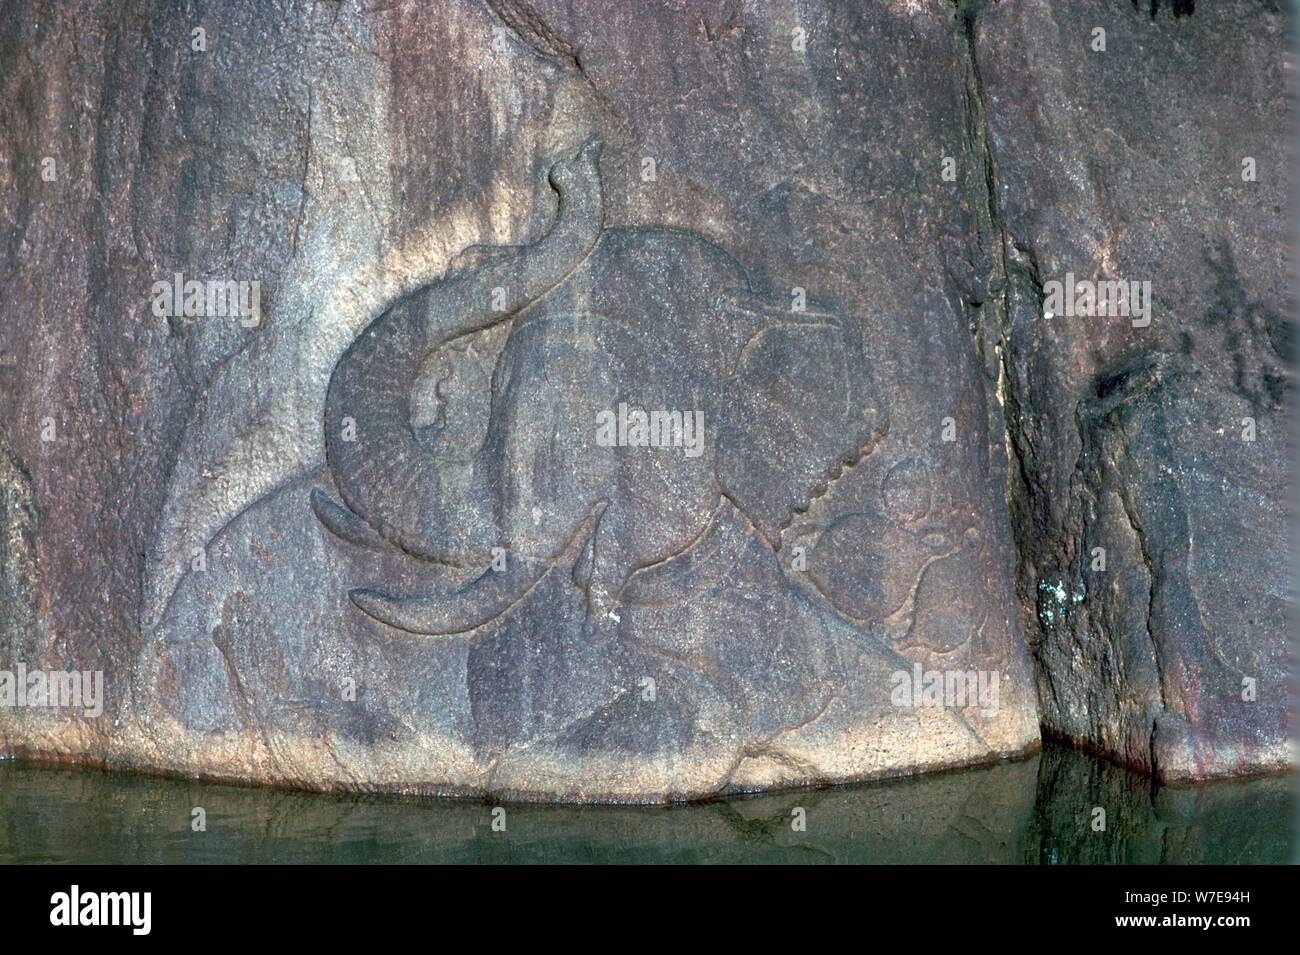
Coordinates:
<point>20,636</point>
<point>1013,284</point>
<point>1181,8</point>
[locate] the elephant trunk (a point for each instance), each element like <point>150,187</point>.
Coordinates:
<point>384,475</point>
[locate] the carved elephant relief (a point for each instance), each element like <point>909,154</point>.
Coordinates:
<point>604,324</point>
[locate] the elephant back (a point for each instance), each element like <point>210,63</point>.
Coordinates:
<point>663,284</point>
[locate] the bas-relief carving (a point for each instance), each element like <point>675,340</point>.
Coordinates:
<point>642,317</point>
<point>460,433</point>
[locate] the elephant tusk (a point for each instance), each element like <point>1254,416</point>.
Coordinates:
<point>483,600</point>
<point>490,595</point>
<point>343,524</point>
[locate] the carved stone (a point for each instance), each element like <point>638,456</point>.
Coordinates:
<point>556,617</point>
<point>404,531</point>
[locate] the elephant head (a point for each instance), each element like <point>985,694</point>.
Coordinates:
<point>652,336</point>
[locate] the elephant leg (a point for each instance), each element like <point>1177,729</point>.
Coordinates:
<point>611,563</point>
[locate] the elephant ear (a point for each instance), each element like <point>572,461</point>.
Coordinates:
<point>798,410</point>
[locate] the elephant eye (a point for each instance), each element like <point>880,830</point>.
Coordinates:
<point>429,391</point>
<point>450,396</point>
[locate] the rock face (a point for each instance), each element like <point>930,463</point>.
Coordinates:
<point>1152,488</point>
<point>577,401</point>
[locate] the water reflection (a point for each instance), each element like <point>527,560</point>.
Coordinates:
<point>1037,811</point>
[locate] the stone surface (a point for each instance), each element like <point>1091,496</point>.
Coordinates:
<point>374,540</point>
<point>1168,445</point>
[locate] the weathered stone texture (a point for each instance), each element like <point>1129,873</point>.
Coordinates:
<point>1168,445</point>
<point>479,224</point>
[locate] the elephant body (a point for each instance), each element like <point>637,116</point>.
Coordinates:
<point>649,318</point>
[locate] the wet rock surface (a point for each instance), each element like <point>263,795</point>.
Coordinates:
<point>621,409</point>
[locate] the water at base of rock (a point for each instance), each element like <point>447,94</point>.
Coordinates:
<point>1040,811</point>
